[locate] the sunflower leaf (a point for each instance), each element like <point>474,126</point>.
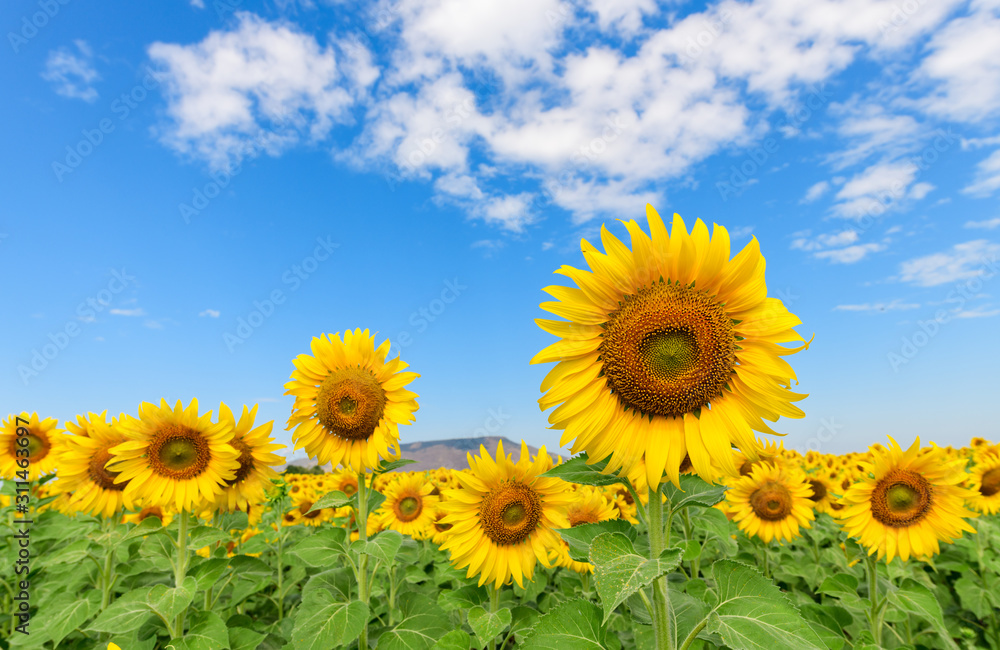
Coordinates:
<point>454,640</point>
<point>207,632</point>
<point>914,598</point>
<point>168,602</point>
<point>463,598</point>
<point>383,546</point>
<point>335,499</point>
<point>126,614</point>
<point>422,625</point>
<point>324,622</point>
<point>579,470</point>
<point>202,536</point>
<point>580,537</point>
<point>148,525</point>
<point>392,465</point>
<point>753,614</point>
<point>620,572</point>
<point>693,492</point>
<point>487,625</point>
<point>318,549</point>
<point>572,625</point>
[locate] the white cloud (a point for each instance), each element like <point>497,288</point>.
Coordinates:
<point>987,179</point>
<point>153,324</point>
<point>138,311</point>
<point>211,313</point>
<point>979,312</point>
<point>819,242</point>
<point>816,191</point>
<point>851,254</point>
<point>877,189</point>
<point>962,262</point>
<point>72,74</point>
<point>895,305</point>
<point>870,129</point>
<point>262,85</point>
<point>987,224</point>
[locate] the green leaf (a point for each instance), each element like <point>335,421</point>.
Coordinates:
<point>619,572</point>
<point>168,602</point>
<point>382,546</point>
<point>454,640</point>
<point>145,527</point>
<point>324,622</point>
<point>58,619</point>
<point>844,587</point>
<point>392,465</point>
<point>234,521</point>
<point>422,625</point>
<point>572,625</point>
<point>975,597</point>
<point>753,614</point>
<point>409,552</point>
<point>523,618</point>
<point>335,499</point>
<point>244,565</point>
<point>375,500</point>
<point>718,527</point>
<point>159,544</point>
<point>487,625</point>
<point>687,612</point>
<point>318,549</point>
<point>693,492</point>
<point>206,631</point>
<point>338,581</point>
<point>202,536</point>
<point>125,614</point>
<point>580,537</point>
<point>240,638</point>
<point>70,554</point>
<point>207,573</point>
<point>914,598</point>
<point>825,624</point>
<point>577,470</point>
<point>463,598</point>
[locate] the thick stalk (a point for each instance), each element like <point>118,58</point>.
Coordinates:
<point>661,598</point>
<point>180,569</point>
<point>281,575</point>
<point>585,583</point>
<point>108,573</point>
<point>494,606</point>
<point>362,521</point>
<point>874,615</point>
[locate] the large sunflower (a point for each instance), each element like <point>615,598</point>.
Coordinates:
<point>670,349</point>
<point>349,401</point>
<point>409,506</point>
<point>503,516</point>
<point>985,484</point>
<point>254,475</point>
<point>907,502</point>
<point>174,456</point>
<point>81,466</point>
<point>772,502</point>
<point>43,448</point>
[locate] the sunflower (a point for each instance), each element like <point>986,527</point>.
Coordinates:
<point>349,401</point>
<point>164,514</point>
<point>344,481</point>
<point>409,506</point>
<point>907,502</point>
<point>254,475</point>
<point>42,450</point>
<point>174,456</point>
<point>82,473</point>
<point>503,516</point>
<point>985,485</point>
<point>822,492</point>
<point>772,502</point>
<point>670,349</point>
<point>304,514</point>
<point>588,507</point>
<point>439,529</point>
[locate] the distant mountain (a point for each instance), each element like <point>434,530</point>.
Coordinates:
<point>433,454</point>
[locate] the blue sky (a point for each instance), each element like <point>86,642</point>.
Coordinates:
<point>420,168</point>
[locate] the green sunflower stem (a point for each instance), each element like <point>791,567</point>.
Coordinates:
<point>494,607</point>
<point>661,597</point>
<point>180,569</point>
<point>875,614</point>
<point>362,521</point>
<point>585,584</point>
<point>108,576</point>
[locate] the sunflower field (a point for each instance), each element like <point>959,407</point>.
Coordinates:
<point>675,524</point>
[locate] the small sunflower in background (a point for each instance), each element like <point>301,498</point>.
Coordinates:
<point>304,514</point>
<point>906,503</point>
<point>83,475</point>
<point>344,481</point>
<point>589,506</point>
<point>350,401</point>
<point>772,502</point>
<point>409,506</point>
<point>253,476</point>
<point>504,516</point>
<point>669,349</point>
<point>163,513</point>
<point>439,528</point>
<point>822,492</point>
<point>174,456</point>
<point>44,445</point>
<point>984,484</point>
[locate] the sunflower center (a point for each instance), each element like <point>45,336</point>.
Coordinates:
<point>38,446</point>
<point>101,476</point>
<point>408,508</point>
<point>668,350</point>
<point>154,511</point>
<point>580,517</point>
<point>771,501</point>
<point>179,452</point>
<point>819,491</point>
<point>349,488</point>
<point>349,403</point>
<point>510,513</point>
<point>990,484</point>
<point>305,507</point>
<point>246,461</point>
<point>902,498</point>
